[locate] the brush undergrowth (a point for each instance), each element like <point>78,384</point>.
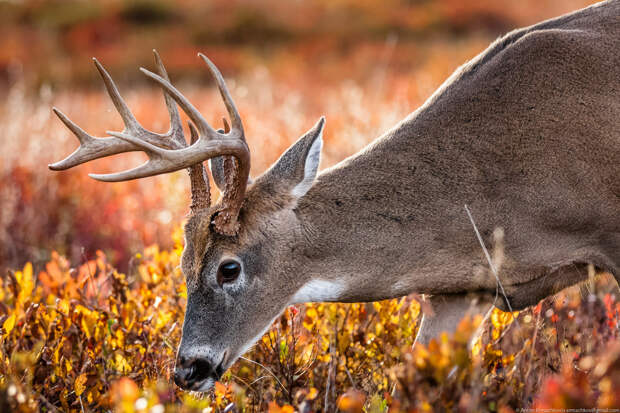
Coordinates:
<point>92,339</point>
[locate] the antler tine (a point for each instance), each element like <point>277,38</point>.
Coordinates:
<point>199,121</point>
<point>128,118</point>
<point>82,136</point>
<point>98,147</point>
<point>90,147</point>
<point>176,141</point>
<point>235,118</point>
<point>176,127</point>
<point>199,183</point>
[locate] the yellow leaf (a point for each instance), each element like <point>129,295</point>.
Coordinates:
<point>162,319</point>
<point>476,347</point>
<point>68,366</point>
<point>26,282</point>
<point>80,384</point>
<point>501,319</point>
<point>310,318</point>
<point>312,394</point>
<point>27,274</point>
<point>63,306</point>
<point>88,320</point>
<point>8,324</point>
<point>119,363</point>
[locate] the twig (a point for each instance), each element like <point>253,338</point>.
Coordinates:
<point>330,371</point>
<point>529,367</point>
<point>246,384</point>
<point>349,374</point>
<point>327,386</point>
<point>81,404</point>
<point>493,270</point>
<point>47,403</point>
<point>267,370</point>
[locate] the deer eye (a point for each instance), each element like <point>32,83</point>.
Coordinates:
<point>228,272</point>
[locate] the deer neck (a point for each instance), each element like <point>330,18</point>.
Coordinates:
<point>375,225</point>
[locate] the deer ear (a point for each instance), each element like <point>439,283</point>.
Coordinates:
<point>217,172</point>
<point>296,169</point>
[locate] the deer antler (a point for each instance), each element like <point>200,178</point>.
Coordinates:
<point>169,152</point>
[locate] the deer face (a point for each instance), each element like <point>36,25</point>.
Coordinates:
<point>237,285</point>
<point>238,259</point>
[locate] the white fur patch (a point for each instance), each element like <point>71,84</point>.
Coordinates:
<point>317,291</point>
<point>310,168</point>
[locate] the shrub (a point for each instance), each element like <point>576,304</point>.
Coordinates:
<point>91,338</point>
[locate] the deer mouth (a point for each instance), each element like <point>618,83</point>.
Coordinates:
<point>214,375</point>
<point>204,385</point>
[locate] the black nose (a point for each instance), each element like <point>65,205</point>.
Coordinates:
<point>193,371</point>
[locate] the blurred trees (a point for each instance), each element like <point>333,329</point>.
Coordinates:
<point>50,41</point>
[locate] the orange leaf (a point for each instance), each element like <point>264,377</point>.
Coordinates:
<point>273,407</point>
<point>352,401</point>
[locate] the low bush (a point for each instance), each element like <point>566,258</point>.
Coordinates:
<point>93,339</point>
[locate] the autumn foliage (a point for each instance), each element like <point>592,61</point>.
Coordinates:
<point>92,297</point>
<point>95,339</point>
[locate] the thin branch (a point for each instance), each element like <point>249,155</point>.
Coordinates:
<point>486,254</point>
<point>47,404</point>
<point>267,370</point>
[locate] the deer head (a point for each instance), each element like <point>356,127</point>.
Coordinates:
<point>238,258</point>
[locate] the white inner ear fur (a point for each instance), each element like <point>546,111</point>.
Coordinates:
<point>310,168</point>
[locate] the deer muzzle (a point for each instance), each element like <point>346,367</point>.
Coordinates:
<point>197,374</point>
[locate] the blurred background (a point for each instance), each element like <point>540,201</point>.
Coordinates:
<point>364,64</point>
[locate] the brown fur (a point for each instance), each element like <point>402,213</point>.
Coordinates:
<point>527,134</point>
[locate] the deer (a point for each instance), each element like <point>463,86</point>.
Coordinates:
<point>526,135</point>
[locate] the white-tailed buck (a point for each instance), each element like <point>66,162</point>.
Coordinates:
<point>527,134</point>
